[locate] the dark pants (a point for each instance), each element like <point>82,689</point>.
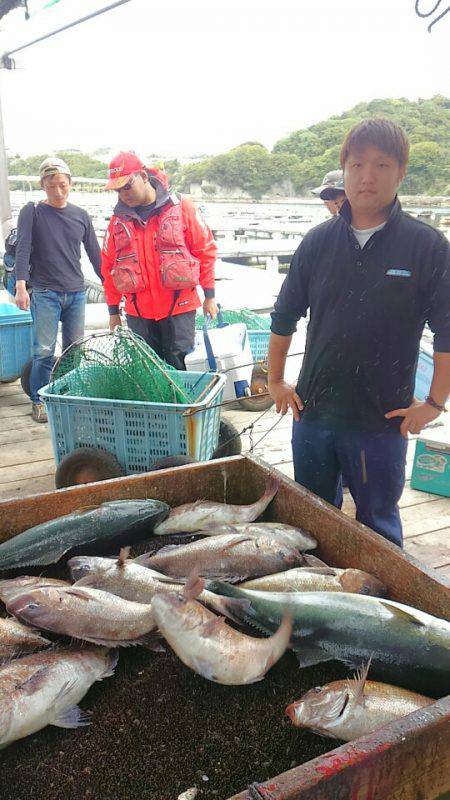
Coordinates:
<point>374,467</point>
<point>172,338</point>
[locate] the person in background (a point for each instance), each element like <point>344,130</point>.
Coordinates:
<point>156,251</point>
<point>372,276</point>
<point>48,257</point>
<point>332,191</point>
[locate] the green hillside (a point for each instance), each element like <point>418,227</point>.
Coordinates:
<point>306,155</point>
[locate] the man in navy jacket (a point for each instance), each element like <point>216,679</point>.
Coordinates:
<point>371,278</point>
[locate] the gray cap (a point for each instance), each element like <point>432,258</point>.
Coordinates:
<point>333,182</point>
<point>53,166</point>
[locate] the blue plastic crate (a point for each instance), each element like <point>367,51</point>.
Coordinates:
<point>16,340</point>
<point>259,344</point>
<point>137,433</point>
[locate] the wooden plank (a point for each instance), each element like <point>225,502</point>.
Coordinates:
<point>426,517</point>
<point>20,423</point>
<point>27,471</point>
<point>16,411</point>
<point>14,454</point>
<point>10,388</point>
<point>24,487</point>
<point>444,573</point>
<point>28,434</point>
<point>433,548</point>
<point>17,399</point>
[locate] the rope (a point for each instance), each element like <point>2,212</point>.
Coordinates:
<point>429,13</point>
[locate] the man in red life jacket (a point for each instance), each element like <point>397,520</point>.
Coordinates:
<point>156,251</point>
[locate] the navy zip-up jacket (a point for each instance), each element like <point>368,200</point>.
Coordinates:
<point>368,308</point>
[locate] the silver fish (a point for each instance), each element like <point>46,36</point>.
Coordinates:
<point>230,557</point>
<point>16,639</point>
<point>353,708</point>
<point>84,613</point>
<point>44,689</point>
<point>120,576</point>
<point>286,534</point>
<point>192,517</point>
<point>209,646</point>
<point>318,579</point>
<point>13,586</point>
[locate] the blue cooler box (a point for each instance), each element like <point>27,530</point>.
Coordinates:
<point>431,468</point>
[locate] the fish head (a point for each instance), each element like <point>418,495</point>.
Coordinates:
<point>320,708</point>
<point>173,611</point>
<point>37,606</point>
<point>80,566</point>
<point>359,582</point>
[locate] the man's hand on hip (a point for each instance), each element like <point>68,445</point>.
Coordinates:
<point>22,298</point>
<point>114,321</point>
<point>210,307</point>
<point>415,417</point>
<point>285,397</point>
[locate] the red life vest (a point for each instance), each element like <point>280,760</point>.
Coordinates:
<point>179,269</point>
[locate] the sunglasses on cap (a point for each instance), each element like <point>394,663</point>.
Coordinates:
<point>127,185</point>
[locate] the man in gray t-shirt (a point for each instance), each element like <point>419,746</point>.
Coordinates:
<point>48,252</point>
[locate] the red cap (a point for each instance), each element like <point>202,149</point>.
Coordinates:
<point>121,167</point>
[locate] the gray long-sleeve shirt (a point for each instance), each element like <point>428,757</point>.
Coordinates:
<point>48,249</point>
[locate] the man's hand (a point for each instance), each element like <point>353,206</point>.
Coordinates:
<point>22,298</point>
<point>415,417</point>
<point>210,307</point>
<point>114,321</point>
<point>284,397</point>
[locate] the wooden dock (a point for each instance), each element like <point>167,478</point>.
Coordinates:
<point>27,467</point>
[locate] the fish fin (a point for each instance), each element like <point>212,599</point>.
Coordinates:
<point>357,683</point>
<point>168,548</point>
<point>203,667</point>
<point>320,570</point>
<point>78,593</point>
<point>272,486</point>
<point>113,643</point>
<point>112,660</point>
<point>143,559</point>
<point>404,614</point>
<point>313,561</point>
<point>308,655</point>
<point>212,626</point>
<point>32,683</point>
<point>123,556</point>
<point>86,509</point>
<point>193,586</point>
<point>239,540</point>
<point>73,717</point>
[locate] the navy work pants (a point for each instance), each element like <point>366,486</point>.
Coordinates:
<point>373,464</point>
<point>172,338</point>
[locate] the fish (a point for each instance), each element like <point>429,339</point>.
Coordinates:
<point>13,586</point>
<point>120,576</point>
<point>83,613</point>
<point>287,534</point>
<point>353,708</point>
<point>319,579</point>
<point>231,557</point>
<point>16,639</point>
<point>105,528</point>
<point>209,646</point>
<point>45,689</point>
<point>192,517</point>
<point>408,647</point>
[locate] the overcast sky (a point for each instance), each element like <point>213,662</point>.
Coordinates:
<point>185,77</point>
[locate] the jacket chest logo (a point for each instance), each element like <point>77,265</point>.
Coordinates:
<point>398,272</point>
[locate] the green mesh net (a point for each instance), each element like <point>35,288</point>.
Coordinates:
<point>253,321</point>
<point>118,366</point>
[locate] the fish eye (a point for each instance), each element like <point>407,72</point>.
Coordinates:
<point>33,606</point>
<point>317,689</point>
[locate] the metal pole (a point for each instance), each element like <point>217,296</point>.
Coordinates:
<point>5,202</point>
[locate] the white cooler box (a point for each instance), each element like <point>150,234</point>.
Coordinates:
<point>231,354</point>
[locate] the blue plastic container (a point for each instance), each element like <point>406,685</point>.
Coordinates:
<point>16,340</point>
<point>136,433</point>
<point>259,345</point>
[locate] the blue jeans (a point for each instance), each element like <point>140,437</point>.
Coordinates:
<point>374,467</point>
<point>48,308</point>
